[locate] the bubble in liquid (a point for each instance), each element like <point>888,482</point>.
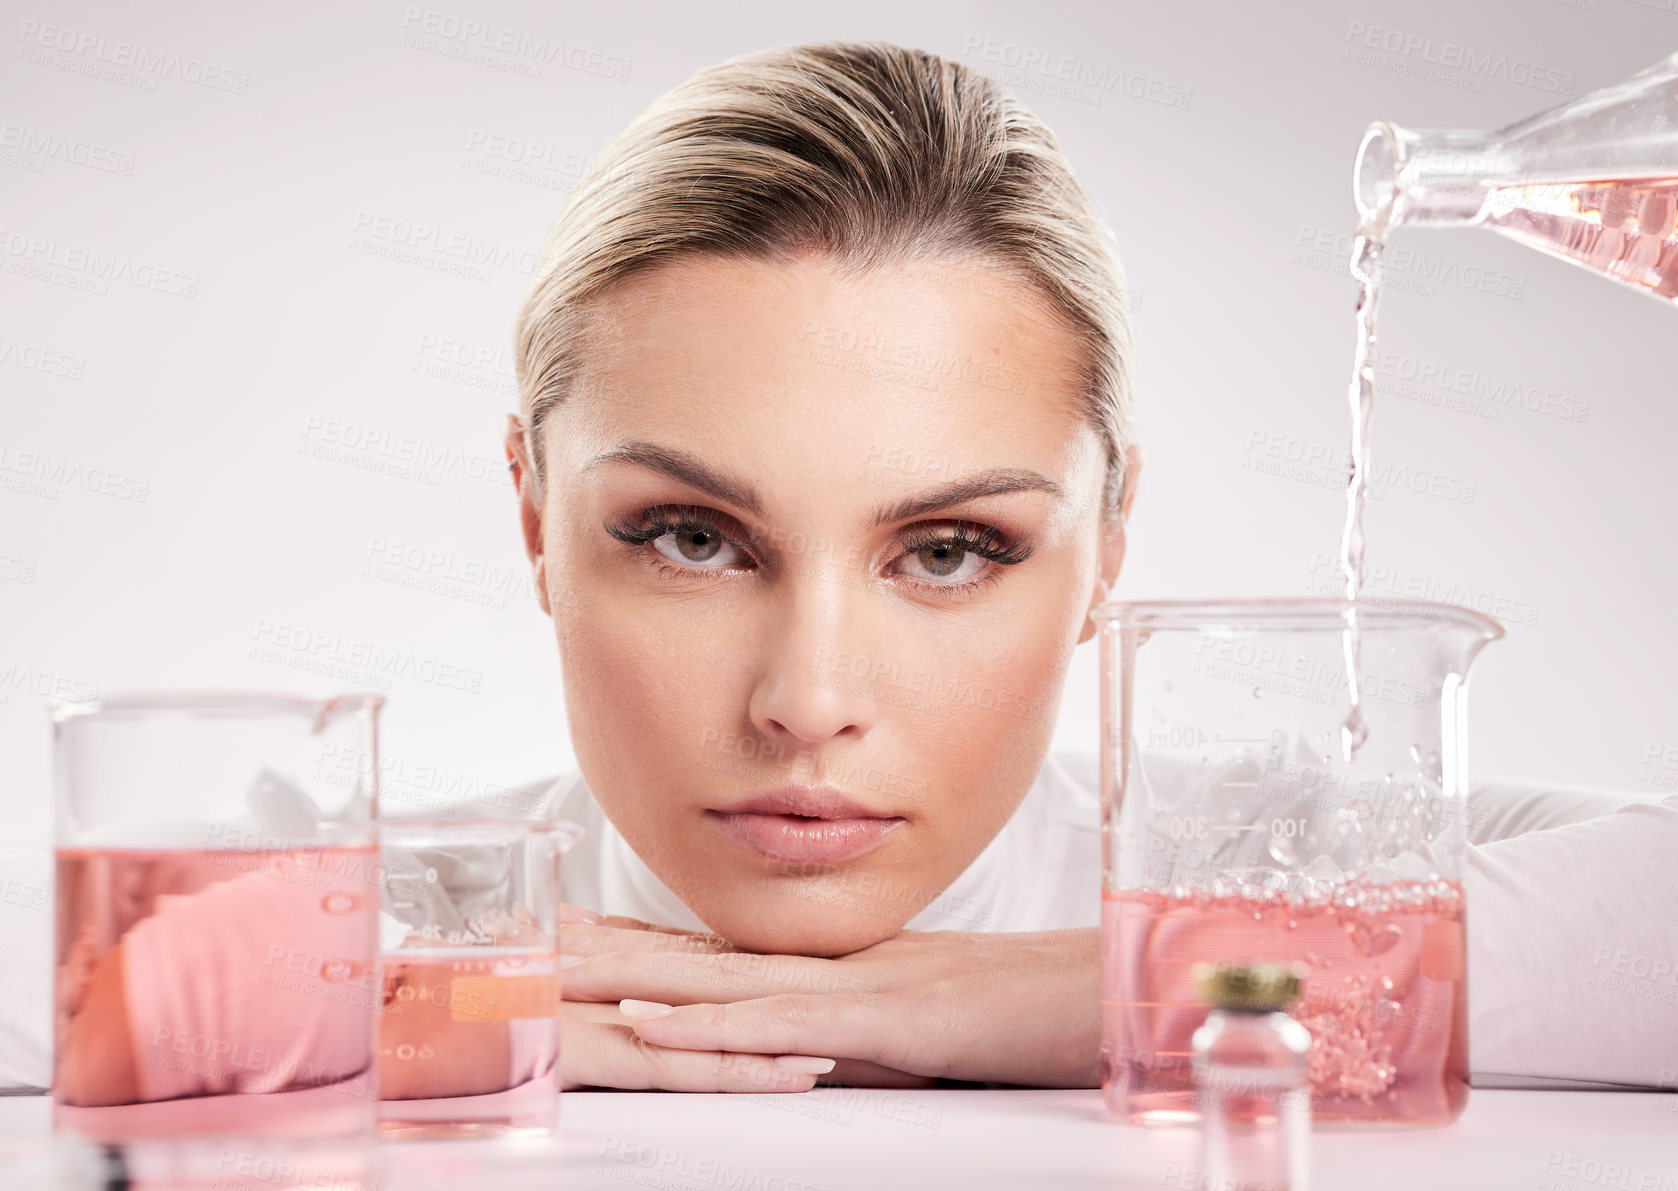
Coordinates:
<point>339,971</point>
<point>339,903</point>
<point>1353,733</point>
<point>1258,692</point>
<point>1372,942</point>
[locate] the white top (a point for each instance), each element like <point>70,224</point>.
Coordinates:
<point>1572,921</point>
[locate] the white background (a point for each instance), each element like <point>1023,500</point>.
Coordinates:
<point>1217,137</point>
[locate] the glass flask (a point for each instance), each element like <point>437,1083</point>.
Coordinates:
<point>1234,830</point>
<point>1593,180</point>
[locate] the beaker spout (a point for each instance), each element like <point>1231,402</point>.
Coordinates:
<point>1439,177</point>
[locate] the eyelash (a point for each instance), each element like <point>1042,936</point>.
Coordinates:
<point>984,540</point>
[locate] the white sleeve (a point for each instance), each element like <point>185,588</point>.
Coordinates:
<point>25,968</point>
<point>1572,907</point>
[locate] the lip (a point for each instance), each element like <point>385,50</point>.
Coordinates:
<point>805,825</point>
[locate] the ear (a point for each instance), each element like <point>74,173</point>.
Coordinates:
<point>530,504</point>
<point>1112,544</point>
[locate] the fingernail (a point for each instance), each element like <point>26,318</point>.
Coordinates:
<point>644,1010</point>
<point>570,913</point>
<point>804,1064</point>
<point>567,962</point>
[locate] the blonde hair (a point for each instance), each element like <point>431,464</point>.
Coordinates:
<point>867,152</point>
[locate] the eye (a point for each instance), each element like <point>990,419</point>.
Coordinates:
<point>690,536</point>
<point>695,544</point>
<point>960,558</point>
<point>948,561</point>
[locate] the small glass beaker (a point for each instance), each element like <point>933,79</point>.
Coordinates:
<point>216,918</point>
<point>1235,831</point>
<point>469,1031</point>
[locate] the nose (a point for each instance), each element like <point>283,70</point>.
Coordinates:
<point>808,691</point>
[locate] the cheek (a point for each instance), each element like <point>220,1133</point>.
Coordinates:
<point>649,683</point>
<point>636,689</point>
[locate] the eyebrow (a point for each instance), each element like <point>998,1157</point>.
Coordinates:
<point>690,470</point>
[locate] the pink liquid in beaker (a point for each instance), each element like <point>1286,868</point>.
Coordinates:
<point>1383,999</point>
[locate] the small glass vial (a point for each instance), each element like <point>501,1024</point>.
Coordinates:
<point>1251,1080</point>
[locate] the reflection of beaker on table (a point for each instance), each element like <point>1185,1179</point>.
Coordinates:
<point>1234,831</point>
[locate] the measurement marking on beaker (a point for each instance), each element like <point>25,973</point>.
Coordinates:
<point>1225,827</point>
<point>1241,739</point>
<point>1239,785</point>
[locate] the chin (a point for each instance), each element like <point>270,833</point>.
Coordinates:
<point>813,917</point>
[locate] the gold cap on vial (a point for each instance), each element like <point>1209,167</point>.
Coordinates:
<point>1253,988</point>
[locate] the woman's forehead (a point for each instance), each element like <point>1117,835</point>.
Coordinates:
<point>897,368</point>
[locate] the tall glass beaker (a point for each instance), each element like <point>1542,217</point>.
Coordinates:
<point>217,917</point>
<point>1234,831</point>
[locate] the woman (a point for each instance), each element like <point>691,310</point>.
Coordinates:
<point>823,462</point>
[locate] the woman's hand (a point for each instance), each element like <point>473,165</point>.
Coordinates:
<point>602,1050</point>
<point>999,1008</point>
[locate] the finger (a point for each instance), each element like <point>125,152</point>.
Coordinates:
<point>571,913</point>
<point>855,1073</point>
<point>586,939</point>
<point>786,1023</point>
<point>686,977</point>
<point>611,1056</point>
<point>620,922</point>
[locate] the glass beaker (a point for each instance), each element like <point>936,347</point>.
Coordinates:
<point>469,1033</point>
<point>1593,180</point>
<point>1233,831</point>
<point>217,910</point>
